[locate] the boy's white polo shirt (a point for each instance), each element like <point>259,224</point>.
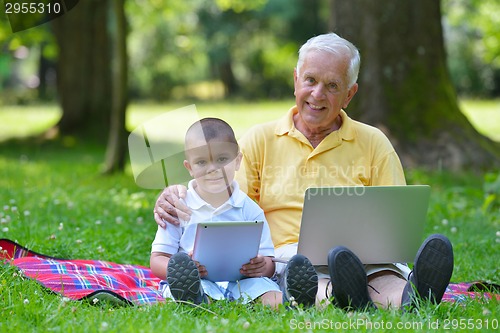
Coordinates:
<point>239,207</point>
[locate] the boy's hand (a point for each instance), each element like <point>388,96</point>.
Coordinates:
<point>201,269</point>
<point>255,268</point>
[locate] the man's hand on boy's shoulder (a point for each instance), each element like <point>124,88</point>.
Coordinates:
<point>170,208</point>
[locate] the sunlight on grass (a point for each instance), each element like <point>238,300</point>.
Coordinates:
<point>484,116</point>
<point>241,116</point>
<point>21,121</point>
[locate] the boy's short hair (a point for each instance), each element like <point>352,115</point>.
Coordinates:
<point>214,128</point>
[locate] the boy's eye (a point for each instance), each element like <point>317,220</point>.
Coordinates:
<point>201,162</point>
<point>222,159</point>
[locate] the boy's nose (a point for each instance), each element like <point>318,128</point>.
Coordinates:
<point>212,167</point>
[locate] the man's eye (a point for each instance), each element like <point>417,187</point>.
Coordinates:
<point>332,86</point>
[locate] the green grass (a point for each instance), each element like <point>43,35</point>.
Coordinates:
<point>20,121</point>
<point>53,200</point>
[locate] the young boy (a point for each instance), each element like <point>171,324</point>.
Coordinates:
<point>212,158</point>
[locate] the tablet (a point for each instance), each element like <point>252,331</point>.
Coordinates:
<point>223,247</point>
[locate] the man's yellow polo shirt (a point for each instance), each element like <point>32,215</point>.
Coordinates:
<point>279,164</point>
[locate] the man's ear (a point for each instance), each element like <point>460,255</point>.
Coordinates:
<point>350,94</point>
<point>294,81</point>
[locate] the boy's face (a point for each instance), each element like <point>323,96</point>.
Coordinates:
<point>212,164</point>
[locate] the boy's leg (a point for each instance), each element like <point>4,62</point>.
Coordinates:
<point>272,299</point>
<point>250,289</point>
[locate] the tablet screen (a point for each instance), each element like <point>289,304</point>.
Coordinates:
<point>223,247</point>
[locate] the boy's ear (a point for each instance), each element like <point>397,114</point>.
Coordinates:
<point>238,159</point>
<point>188,167</point>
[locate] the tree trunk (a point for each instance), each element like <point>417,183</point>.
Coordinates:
<point>46,69</point>
<point>83,71</point>
<point>404,85</point>
<point>225,71</point>
<point>117,141</point>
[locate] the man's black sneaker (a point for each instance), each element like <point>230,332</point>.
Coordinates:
<point>349,282</point>
<point>300,282</point>
<point>431,273</point>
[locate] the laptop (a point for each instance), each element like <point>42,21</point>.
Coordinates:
<point>380,224</point>
<point>223,247</point>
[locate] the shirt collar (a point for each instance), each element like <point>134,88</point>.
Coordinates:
<point>285,125</point>
<point>195,202</point>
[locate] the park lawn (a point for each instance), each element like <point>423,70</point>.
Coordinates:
<point>484,115</point>
<point>20,121</point>
<point>53,200</point>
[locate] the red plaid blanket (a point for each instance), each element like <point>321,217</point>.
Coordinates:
<point>91,280</point>
<point>136,285</point>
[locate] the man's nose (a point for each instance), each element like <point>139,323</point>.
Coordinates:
<point>318,91</point>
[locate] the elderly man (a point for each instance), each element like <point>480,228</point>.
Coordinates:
<point>317,144</point>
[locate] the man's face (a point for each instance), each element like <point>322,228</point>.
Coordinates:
<point>321,89</point>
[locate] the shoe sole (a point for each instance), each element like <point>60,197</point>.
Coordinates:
<point>349,281</point>
<point>433,268</point>
<point>183,278</point>
<point>302,280</point>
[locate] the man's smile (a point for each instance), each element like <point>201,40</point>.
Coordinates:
<point>315,107</point>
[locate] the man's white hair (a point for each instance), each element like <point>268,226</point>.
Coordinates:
<point>335,44</point>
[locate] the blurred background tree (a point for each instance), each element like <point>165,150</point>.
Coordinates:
<point>472,36</point>
<point>404,84</point>
<point>236,49</point>
<point>175,46</point>
<point>84,70</point>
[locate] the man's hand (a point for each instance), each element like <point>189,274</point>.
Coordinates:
<point>169,208</point>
